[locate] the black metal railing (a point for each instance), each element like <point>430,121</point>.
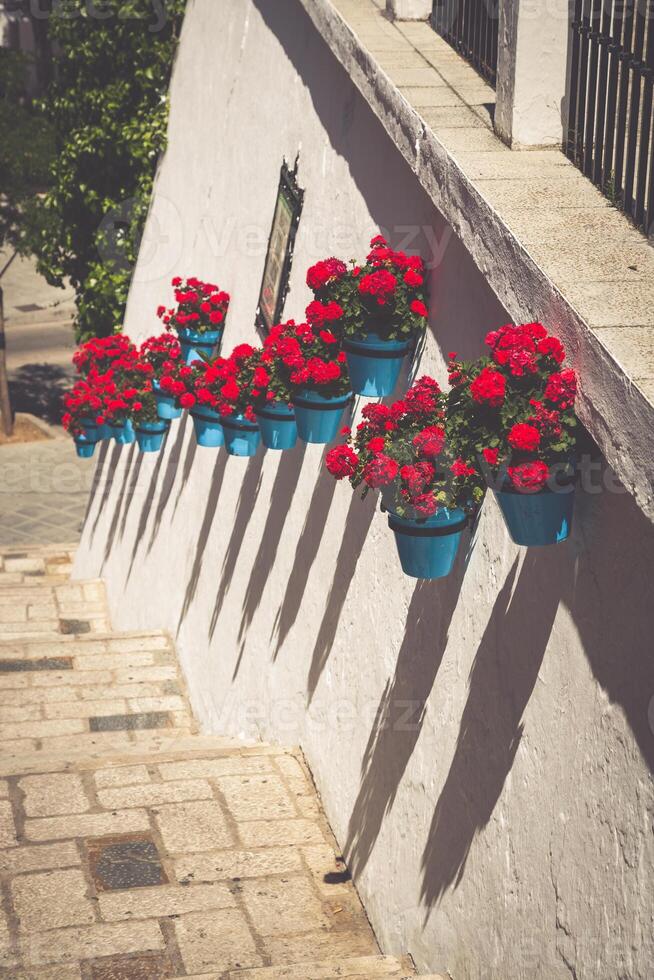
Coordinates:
<point>610,131</point>
<point>470,26</point>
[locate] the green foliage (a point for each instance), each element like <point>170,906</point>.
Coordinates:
<point>109,111</point>
<point>26,146</point>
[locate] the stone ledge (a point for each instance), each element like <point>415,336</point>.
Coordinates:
<point>494,199</point>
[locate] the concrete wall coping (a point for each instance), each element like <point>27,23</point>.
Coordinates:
<point>550,245</point>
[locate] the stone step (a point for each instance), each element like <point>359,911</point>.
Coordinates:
<point>29,566</point>
<point>361,967</point>
<point>49,609</point>
<point>143,748</point>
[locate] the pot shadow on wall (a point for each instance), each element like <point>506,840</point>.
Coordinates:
<point>612,611</point>
<point>215,486</point>
<point>400,715</point>
<point>248,494</point>
<point>281,499</point>
<point>502,679</point>
<point>306,551</point>
<point>355,531</point>
<point>610,599</point>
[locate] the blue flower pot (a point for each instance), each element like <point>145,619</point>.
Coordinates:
<point>537,519</point>
<point>91,430</point>
<point>85,447</point>
<point>167,407</point>
<point>277,425</point>
<point>193,343</point>
<point>208,430</point>
<point>105,432</point>
<point>428,548</point>
<point>374,363</point>
<point>123,432</point>
<point>318,418</point>
<point>241,436</point>
<point>150,435</point>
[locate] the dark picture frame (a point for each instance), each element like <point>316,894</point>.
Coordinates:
<point>279,257</point>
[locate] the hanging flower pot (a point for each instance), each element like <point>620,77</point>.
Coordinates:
<point>277,425</point>
<point>207,427</point>
<point>84,446</point>
<point>242,436</point>
<point>150,435</point>
<point>374,363</point>
<point>515,411</point>
<point>537,517</point>
<point>90,429</point>
<point>376,308</point>
<point>167,405</point>
<point>402,450</point>
<point>123,432</point>
<point>318,416</point>
<point>194,343</point>
<point>198,319</point>
<point>428,547</point>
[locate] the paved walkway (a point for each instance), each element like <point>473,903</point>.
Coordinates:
<point>44,489</point>
<point>133,847</point>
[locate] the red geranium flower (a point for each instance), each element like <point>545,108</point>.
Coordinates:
<point>489,387</point>
<point>524,437</point>
<point>341,462</point>
<point>529,476</point>
<point>380,471</point>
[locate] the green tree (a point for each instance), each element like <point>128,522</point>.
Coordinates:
<point>26,146</point>
<point>109,110</point>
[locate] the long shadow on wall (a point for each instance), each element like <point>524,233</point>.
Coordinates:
<point>305,555</point>
<point>250,486</point>
<point>401,712</point>
<point>502,679</point>
<point>281,498</point>
<point>168,481</point>
<point>357,524</point>
<point>215,486</point>
<point>610,600</point>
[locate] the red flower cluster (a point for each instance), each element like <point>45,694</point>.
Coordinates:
<point>529,476</point>
<point>380,285</point>
<point>306,355</point>
<point>386,295</point>
<point>488,388</point>
<point>323,273</point>
<point>201,306</point>
<point>517,404</point>
<point>395,449</point>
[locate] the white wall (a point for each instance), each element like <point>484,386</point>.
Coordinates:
<point>503,827</point>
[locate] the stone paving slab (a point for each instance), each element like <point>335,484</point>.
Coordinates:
<point>44,490</point>
<point>132,847</point>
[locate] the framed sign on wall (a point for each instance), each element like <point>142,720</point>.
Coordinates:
<point>279,258</point>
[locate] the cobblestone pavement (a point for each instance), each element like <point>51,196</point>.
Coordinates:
<point>130,845</point>
<point>44,489</point>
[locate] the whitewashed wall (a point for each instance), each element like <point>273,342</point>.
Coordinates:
<point>481,744</point>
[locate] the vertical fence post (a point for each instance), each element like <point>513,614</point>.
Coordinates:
<point>532,65</point>
<point>5,401</point>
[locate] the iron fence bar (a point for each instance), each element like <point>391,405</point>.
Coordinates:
<point>623,99</point>
<point>645,71</point>
<point>634,109</point>
<point>471,28</point>
<point>571,140</point>
<point>591,98</point>
<point>602,85</point>
<point>614,49</point>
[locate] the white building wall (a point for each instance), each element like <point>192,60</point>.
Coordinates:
<point>481,744</point>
